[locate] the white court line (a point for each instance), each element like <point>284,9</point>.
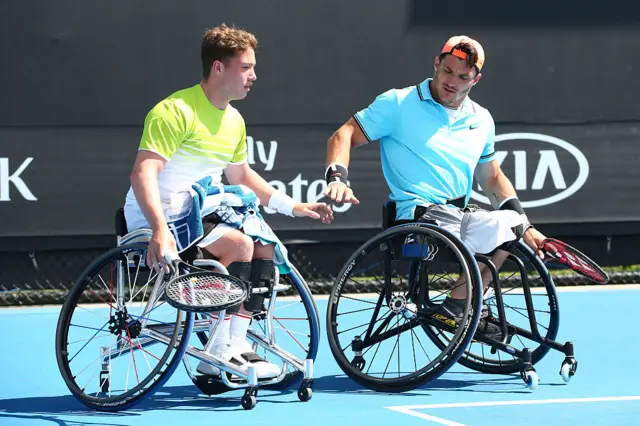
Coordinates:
<point>409,409</point>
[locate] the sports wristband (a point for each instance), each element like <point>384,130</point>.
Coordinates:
<point>282,203</point>
<point>336,173</point>
<point>513,203</point>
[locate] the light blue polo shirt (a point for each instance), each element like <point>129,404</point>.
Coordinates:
<point>425,159</point>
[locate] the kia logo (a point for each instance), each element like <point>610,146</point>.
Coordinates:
<point>548,170</point>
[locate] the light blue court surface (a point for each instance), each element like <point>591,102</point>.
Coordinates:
<point>603,322</point>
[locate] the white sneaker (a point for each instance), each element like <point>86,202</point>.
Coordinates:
<point>241,350</point>
<point>222,351</point>
<point>240,353</point>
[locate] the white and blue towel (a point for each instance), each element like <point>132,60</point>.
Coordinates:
<point>236,206</point>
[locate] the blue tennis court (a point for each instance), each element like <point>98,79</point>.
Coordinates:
<point>601,321</point>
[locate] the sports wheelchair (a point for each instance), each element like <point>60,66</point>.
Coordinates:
<point>379,320</point>
<point>118,341</point>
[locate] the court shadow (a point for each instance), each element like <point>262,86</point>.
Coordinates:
<point>50,419</point>
<point>343,384</point>
<point>176,398</point>
<point>479,383</point>
<point>456,382</point>
<point>180,398</point>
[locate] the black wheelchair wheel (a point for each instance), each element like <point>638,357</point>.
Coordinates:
<point>375,301</point>
<point>117,341</point>
<point>485,358</point>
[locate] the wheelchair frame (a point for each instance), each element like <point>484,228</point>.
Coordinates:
<point>160,333</point>
<point>525,367</point>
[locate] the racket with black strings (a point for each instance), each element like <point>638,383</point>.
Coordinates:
<point>201,290</point>
<point>574,259</point>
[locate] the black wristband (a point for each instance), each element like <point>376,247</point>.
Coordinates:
<point>336,173</point>
<point>512,204</point>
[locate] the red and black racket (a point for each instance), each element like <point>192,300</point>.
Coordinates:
<point>574,259</point>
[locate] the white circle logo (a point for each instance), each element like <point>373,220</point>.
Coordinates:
<point>583,165</point>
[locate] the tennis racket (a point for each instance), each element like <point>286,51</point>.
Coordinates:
<point>202,290</point>
<point>574,259</point>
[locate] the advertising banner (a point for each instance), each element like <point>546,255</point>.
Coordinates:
<point>70,181</point>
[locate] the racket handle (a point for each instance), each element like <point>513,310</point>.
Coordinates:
<point>171,257</point>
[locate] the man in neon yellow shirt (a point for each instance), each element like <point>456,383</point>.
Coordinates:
<point>195,133</point>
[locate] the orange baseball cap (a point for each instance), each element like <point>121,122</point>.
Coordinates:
<point>448,48</point>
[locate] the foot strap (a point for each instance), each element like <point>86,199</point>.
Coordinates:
<point>252,357</point>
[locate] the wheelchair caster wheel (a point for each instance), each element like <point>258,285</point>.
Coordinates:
<point>305,393</point>
<point>568,369</point>
<point>248,402</point>
<point>104,381</point>
<point>250,398</point>
<point>358,362</point>
<point>531,379</point>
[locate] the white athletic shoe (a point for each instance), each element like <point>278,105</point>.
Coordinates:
<point>240,353</point>
<point>220,350</point>
<point>241,350</point>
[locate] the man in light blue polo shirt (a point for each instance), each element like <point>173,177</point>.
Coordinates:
<point>429,152</point>
<point>433,140</point>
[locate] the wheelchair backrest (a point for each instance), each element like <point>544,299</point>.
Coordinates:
<point>120,223</point>
<point>388,214</point>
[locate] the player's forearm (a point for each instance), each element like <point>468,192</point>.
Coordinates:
<point>498,189</point>
<point>147,192</point>
<point>260,186</point>
<point>339,147</point>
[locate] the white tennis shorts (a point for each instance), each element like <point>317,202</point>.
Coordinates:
<point>481,231</point>
<point>179,207</point>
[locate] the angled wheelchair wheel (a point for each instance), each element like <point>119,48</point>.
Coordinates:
<point>290,320</point>
<point>378,308</point>
<point>527,326</point>
<point>117,341</point>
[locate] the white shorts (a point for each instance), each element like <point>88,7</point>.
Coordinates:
<point>481,231</point>
<point>135,219</point>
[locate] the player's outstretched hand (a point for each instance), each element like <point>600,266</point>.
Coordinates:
<point>320,211</point>
<point>340,193</point>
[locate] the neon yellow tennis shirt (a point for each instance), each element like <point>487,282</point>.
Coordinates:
<point>196,138</point>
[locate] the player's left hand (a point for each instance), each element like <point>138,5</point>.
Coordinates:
<point>320,211</point>
<point>534,238</point>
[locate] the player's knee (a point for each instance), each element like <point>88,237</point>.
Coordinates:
<point>263,251</point>
<point>233,246</point>
<point>239,248</point>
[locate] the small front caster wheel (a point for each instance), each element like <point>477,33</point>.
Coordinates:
<point>305,394</point>
<point>531,379</point>
<point>250,398</point>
